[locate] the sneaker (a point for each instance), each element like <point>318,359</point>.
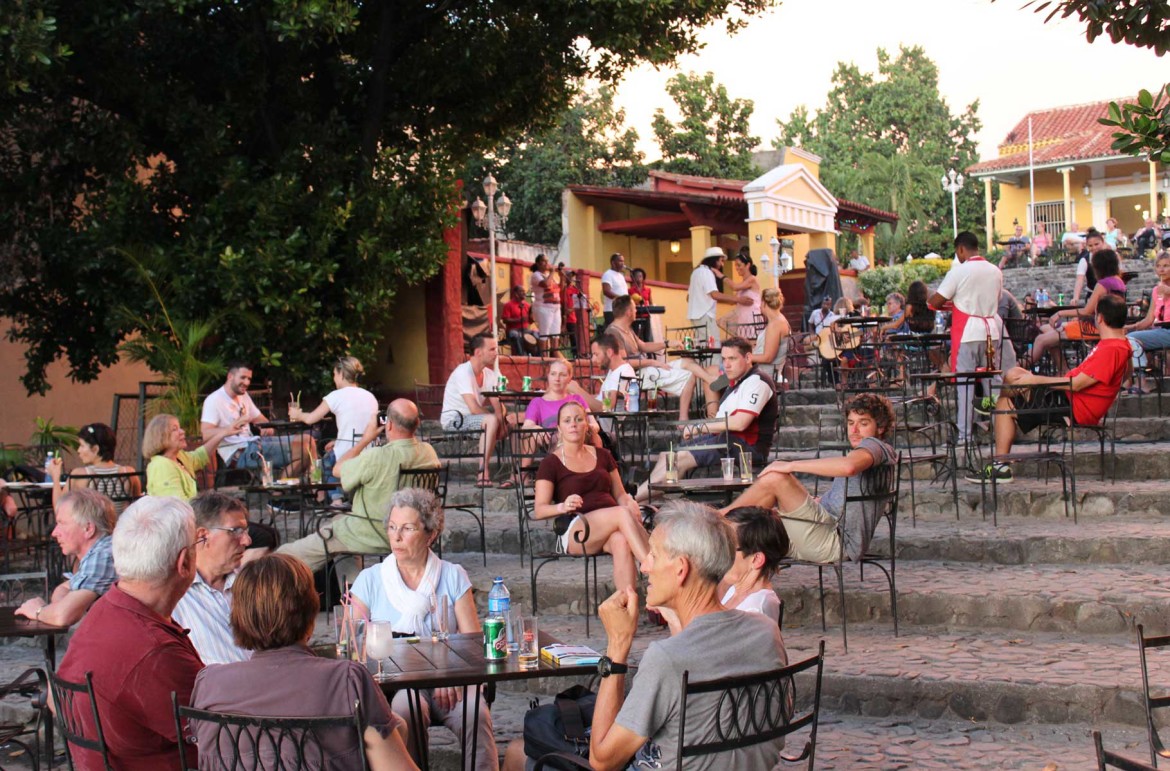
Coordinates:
<point>1002,475</point>
<point>985,405</point>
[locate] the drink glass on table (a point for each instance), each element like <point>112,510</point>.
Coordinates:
<point>745,470</point>
<point>529,643</point>
<point>513,617</point>
<point>440,624</point>
<point>380,644</point>
<point>671,467</point>
<point>728,468</point>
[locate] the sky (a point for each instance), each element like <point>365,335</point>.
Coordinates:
<point>1000,53</point>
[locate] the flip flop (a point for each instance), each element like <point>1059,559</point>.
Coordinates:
<point>507,484</point>
<point>484,483</point>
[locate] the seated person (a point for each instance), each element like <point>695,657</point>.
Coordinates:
<point>542,410</point>
<point>578,484</point>
<point>403,590</point>
<point>85,520</point>
<point>811,523</point>
<point>170,469</point>
<point>609,356</point>
<point>1065,324</point>
<point>771,349</point>
<point>748,404</point>
<point>372,479</point>
<point>273,614</point>
<point>96,443</point>
<point>1094,386</point>
<point>896,310</point>
<point>1143,335</point>
<point>674,378</point>
<point>466,409</point>
<point>517,318</point>
<point>230,404</point>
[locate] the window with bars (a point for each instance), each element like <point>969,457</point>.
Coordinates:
<point>1051,213</point>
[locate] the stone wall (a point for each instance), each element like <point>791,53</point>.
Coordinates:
<point>1062,278</point>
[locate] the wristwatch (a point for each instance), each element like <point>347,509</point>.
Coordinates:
<point>607,666</point>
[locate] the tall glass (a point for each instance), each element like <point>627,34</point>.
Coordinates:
<point>440,624</point>
<point>671,467</point>
<point>529,642</point>
<point>728,465</point>
<point>379,645</point>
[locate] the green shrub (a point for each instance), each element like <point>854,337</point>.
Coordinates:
<point>879,282</point>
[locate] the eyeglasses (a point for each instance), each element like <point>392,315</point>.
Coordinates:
<point>234,532</point>
<point>404,529</point>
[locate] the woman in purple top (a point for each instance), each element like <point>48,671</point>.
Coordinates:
<point>274,608</point>
<point>542,410</point>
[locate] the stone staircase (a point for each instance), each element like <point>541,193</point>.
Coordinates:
<point>1062,278</point>
<point>1015,642</point>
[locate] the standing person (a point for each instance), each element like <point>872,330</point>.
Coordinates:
<point>96,443</point>
<point>170,469</point>
<point>613,284</point>
<point>465,408</point>
<point>972,288</point>
<point>704,294</point>
<point>745,284</point>
<point>354,407</point>
<point>517,317</point>
<point>546,298</point>
<point>135,653</point>
<point>640,292</point>
<point>1143,335</point>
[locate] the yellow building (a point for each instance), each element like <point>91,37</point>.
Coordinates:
<point>1067,175</point>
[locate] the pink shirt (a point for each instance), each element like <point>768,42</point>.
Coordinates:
<point>543,412</point>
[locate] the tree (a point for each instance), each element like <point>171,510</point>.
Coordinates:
<point>712,139</point>
<point>292,160</point>
<point>886,140</point>
<point>588,145</point>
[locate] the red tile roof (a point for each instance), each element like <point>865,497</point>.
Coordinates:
<point>1061,134</point>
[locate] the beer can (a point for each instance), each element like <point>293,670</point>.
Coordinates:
<point>502,383</point>
<point>688,342</point>
<point>527,383</point>
<point>495,638</point>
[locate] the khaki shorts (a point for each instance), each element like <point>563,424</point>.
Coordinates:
<point>812,532</point>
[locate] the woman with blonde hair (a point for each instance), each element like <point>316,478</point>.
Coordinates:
<point>170,469</point>
<point>772,345</point>
<point>745,285</point>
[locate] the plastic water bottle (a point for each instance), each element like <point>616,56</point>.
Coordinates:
<point>940,322</point>
<point>500,606</point>
<point>48,462</point>
<point>635,392</point>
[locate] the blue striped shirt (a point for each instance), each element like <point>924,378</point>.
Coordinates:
<point>206,611</point>
<point>96,569</point>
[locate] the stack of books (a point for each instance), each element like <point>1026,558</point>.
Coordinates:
<point>569,655</point>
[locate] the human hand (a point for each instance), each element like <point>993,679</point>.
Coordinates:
<point>29,608</point>
<point>1015,375</point>
<point>295,412</point>
<point>55,467</point>
<point>238,426</point>
<point>778,467</point>
<point>330,445</point>
<point>619,616</point>
<point>446,698</point>
<point>572,503</point>
<point>267,432</point>
<point>745,300</point>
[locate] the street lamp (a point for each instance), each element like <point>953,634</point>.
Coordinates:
<point>492,215</point>
<point>953,183</point>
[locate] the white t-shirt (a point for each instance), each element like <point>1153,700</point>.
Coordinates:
<point>764,601</point>
<point>613,378</point>
<point>820,319</point>
<point>1083,266</point>
<point>353,408</point>
<point>538,291</point>
<point>220,409</point>
<point>617,284</point>
<point>859,263</point>
<point>700,304</point>
<point>974,287</point>
<point>750,396</point>
<point>462,381</point>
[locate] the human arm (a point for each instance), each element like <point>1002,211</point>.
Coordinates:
<point>213,439</point>
<point>849,465</point>
<point>729,298</point>
<point>1078,288</point>
<point>543,506</point>
<point>607,290</point>
<point>65,608</point>
<point>1146,321</point>
<point>386,753</point>
<point>1086,312</point>
<point>620,495</point>
<point>591,401</point>
<point>611,746</point>
<point>474,407</point>
<point>466,618</point>
<point>309,418</point>
<point>1020,376</point>
<point>368,436</point>
<point>55,467</point>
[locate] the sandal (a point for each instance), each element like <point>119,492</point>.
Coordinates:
<point>507,484</point>
<point>484,483</point>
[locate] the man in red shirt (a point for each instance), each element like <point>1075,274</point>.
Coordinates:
<point>136,653</point>
<point>517,316</point>
<point>1085,394</point>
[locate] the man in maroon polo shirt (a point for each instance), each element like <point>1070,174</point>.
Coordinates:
<point>136,653</point>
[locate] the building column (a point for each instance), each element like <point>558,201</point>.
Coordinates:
<point>868,248</point>
<point>1065,171</point>
<point>700,243</point>
<point>1155,214</point>
<point>988,222</point>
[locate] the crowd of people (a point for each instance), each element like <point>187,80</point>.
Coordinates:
<point>180,592</point>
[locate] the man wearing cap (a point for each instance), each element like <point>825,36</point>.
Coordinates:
<point>703,295</point>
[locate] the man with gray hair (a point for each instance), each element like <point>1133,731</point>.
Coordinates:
<point>691,549</point>
<point>370,479</point>
<point>85,518</point>
<point>136,654</point>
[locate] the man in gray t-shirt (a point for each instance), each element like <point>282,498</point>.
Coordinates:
<point>691,548</point>
<point>812,523</point>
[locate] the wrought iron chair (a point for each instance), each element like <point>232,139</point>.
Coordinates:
<point>74,708</point>
<point>30,684</point>
<point>1107,759</point>
<point>250,743</point>
<point>1105,430</point>
<point>121,488</point>
<point>1152,703</point>
<point>749,710</point>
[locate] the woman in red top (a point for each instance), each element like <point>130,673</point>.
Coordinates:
<point>579,485</point>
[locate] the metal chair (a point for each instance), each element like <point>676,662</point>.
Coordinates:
<point>1107,759</point>
<point>1152,703</point>
<point>252,743</point>
<point>749,710</point>
<point>73,718</point>
<point>31,684</point>
<point>121,488</point>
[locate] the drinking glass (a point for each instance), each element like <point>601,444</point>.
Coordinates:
<point>529,642</point>
<point>379,645</point>
<point>728,468</point>
<point>512,621</point>
<point>440,624</point>
<point>745,470</point>
<point>340,632</point>
<point>671,468</point>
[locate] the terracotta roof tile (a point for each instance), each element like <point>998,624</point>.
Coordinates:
<point>1069,133</point>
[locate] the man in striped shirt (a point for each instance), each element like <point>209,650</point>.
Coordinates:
<point>221,536</point>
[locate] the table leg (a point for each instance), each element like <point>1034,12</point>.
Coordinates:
<point>51,660</point>
<point>474,727</point>
<point>418,728</point>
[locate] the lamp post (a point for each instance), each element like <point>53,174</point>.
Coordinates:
<point>491,215</point>
<point>953,183</point>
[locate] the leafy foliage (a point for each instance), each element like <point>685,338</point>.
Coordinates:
<point>886,140</point>
<point>1143,23</point>
<point>713,138</point>
<point>51,436</point>
<point>293,160</point>
<point>588,145</point>
<point>1145,125</point>
<point>876,283</point>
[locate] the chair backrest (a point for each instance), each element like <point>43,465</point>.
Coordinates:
<point>753,709</point>
<point>119,488</point>
<point>1152,703</point>
<point>429,398</point>
<point>249,743</point>
<point>432,479</point>
<point>527,447</point>
<point>73,707</point>
<point>15,588</point>
<point>877,490</point>
<point>1107,759</point>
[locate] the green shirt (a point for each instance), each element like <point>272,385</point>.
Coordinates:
<point>175,477</point>
<point>372,478</point>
